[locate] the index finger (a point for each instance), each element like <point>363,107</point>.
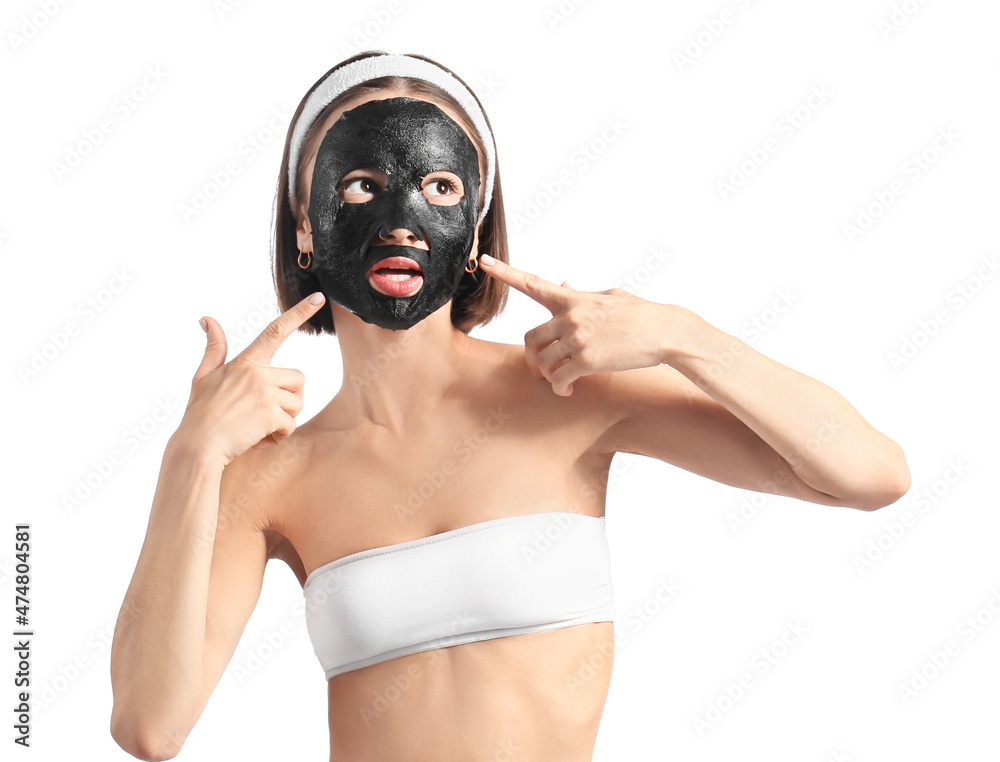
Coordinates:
<point>262,348</point>
<point>545,292</point>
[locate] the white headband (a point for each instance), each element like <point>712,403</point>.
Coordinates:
<point>389,64</point>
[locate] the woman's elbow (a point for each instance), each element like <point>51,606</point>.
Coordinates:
<point>895,483</point>
<point>142,743</point>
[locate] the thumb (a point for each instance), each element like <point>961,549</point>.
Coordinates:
<point>215,351</point>
<point>565,284</point>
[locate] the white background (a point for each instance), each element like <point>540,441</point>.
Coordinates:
<point>550,76</point>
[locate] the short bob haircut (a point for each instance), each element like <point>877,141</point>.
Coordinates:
<point>479,297</point>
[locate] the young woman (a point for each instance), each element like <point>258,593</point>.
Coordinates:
<point>445,510</point>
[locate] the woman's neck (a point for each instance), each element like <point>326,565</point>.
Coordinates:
<point>392,378</point>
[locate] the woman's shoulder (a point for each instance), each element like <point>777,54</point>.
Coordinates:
<point>508,376</point>
<point>498,349</point>
<point>257,484</point>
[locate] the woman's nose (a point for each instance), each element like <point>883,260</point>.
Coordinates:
<point>400,236</point>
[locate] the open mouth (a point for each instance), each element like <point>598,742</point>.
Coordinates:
<point>396,276</point>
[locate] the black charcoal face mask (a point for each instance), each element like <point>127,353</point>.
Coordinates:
<point>407,139</point>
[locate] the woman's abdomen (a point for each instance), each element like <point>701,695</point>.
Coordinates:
<point>536,696</point>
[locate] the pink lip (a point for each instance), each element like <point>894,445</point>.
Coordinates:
<point>400,263</point>
<point>398,288</point>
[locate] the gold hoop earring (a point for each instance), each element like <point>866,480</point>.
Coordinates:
<point>309,259</point>
<point>475,265</point>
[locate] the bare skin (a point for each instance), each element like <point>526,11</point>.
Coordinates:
<point>528,429</point>
<point>342,492</point>
<point>511,691</point>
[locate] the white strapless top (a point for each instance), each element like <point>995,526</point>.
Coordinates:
<point>507,576</point>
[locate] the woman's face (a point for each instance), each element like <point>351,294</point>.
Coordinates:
<point>392,208</point>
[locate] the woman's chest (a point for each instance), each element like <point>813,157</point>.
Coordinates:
<point>362,489</point>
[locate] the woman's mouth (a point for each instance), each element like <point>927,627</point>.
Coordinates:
<point>396,276</point>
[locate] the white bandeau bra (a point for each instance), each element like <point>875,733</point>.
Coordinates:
<point>506,576</point>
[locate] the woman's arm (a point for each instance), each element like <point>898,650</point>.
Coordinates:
<point>718,407</point>
<point>201,566</point>
<point>195,585</point>
<point>683,391</point>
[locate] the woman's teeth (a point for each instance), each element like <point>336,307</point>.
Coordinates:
<point>396,281</point>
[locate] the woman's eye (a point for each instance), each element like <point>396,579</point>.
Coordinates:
<point>360,185</point>
<point>440,187</point>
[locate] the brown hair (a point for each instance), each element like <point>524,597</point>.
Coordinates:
<point>479,297</point>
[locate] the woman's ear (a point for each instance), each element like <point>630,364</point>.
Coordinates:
<point>475,243</point>
<point>303,232</point>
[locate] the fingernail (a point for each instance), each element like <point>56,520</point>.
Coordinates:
<point>316,298</point>
<point>486,259</point>
<point>204,324</point>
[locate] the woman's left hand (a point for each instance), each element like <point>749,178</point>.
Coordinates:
<point>590,331</point>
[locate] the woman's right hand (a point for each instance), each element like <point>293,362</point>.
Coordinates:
<point>245,403</point>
